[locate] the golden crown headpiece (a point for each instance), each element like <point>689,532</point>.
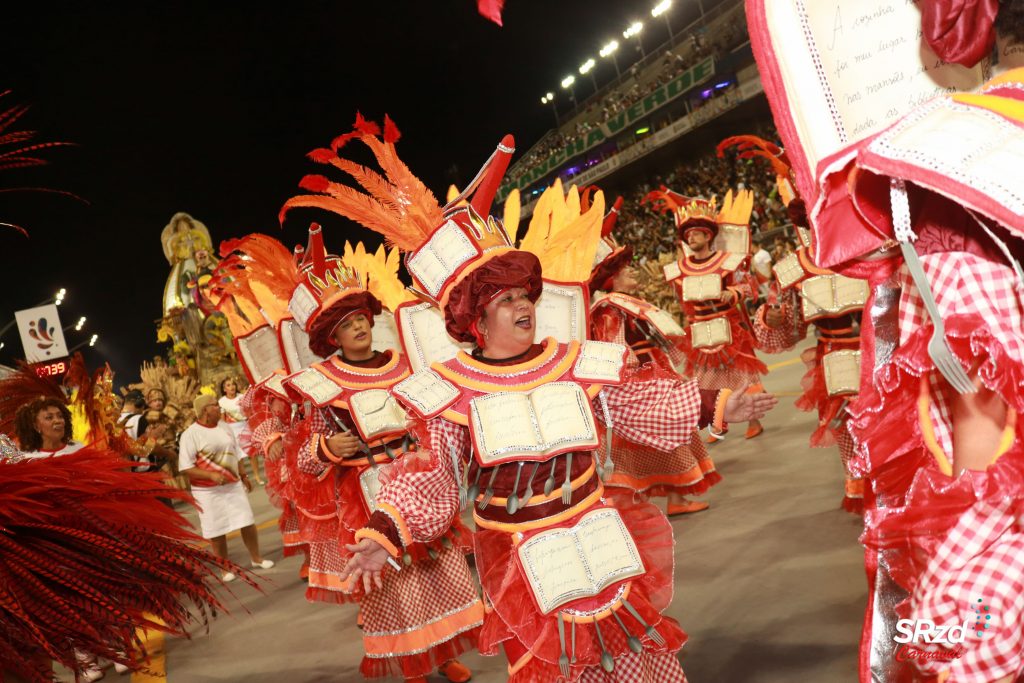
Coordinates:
<point>696,208</point>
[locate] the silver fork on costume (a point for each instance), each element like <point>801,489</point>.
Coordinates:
<point>938,348</point>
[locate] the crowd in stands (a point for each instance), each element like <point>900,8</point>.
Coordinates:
<point>640,83</point>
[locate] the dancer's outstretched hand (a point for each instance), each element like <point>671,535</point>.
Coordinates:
<point>368,559</point>
<point>744,407</point>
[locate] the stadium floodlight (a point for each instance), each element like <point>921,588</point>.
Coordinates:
<point>633,30</point>
<point>586,66</point>
<point>95,338</point>
<point>608,49</point>
<point>568,81</point>
<point>661,8</point>
<point>59,297</point>
<point>80,324</point>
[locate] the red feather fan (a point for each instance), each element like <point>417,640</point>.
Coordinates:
<point>88,553</point>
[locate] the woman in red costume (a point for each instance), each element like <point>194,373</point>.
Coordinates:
<point>427,612</point>
<point>652,335</point>
<point>82,533</point>
<point>270,418</point>
<point>712,287</point>
<point>517,419</point>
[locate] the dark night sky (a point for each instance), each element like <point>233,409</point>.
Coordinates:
<point>209,109</point>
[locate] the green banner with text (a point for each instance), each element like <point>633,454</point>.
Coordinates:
<point>679,85</point>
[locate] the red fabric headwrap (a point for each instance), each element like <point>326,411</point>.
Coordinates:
<point>698,224</point>
<point>960,31</point>
<point>609,268</point>
<point>467,300</point>
<point>322,328</point>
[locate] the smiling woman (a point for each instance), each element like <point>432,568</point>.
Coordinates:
<point>43,428</point>
<point>516,411</point>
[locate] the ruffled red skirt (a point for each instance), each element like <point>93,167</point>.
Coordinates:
<point>530,637</point>
<point>915,508</point>
<point>737,357</point>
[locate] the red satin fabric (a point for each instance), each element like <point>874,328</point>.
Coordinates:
<point>960,31</point>
<point>516,621</point>
<point>468,298</point>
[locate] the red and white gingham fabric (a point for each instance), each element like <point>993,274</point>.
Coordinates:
<point>422,593</point>
<point>982,558</point>
<point>964,283</point>
<point>662,413</point>
<point>782,338</point>
<point>308,462</point>
<point>638,668</point>
<point>725,378</point>
<point>427,495</point>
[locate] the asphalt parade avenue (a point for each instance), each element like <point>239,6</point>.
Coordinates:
<point>769,580</point>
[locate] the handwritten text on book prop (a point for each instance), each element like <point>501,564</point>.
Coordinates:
<point>552,419</point>
<point>839,71</point>
<point>566,564</point>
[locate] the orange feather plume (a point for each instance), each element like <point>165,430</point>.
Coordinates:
<point>393,202</point>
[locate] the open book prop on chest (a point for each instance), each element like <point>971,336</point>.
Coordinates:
<point>839,72</point>
<point>842,372</point>
<point>699,286</point>
<point>536,425</point>
<point>566,564</point>
<point>825,296</point>
<point>376,414</point>
<point>561,310</point>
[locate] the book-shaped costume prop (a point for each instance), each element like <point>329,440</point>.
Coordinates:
<point>705,334</point>
<point>732,238</point>
<point>835,73</point>
<point>377,415</point>
<point>385,332</point>
<point>423,336</point>
<point>789,271</point>
<point>702,287</point>
<point>295,346</point>
<point>314,386</point>
<point>663,322</point>
<point>831,295</point>
<point>275,385</point>
<point>566,564</point>
<point>260,353</point>
<point>600,362</point>
<point>508,426</point>
<point>369,486</point>
<point>561,312</point>
<point>842,372</point>
<point>447,250</point>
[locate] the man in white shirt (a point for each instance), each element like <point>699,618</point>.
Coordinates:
<point>208,455</point>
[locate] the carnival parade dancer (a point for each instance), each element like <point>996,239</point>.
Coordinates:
<point>425,615</point>
<point>533,487</point>
<point>712,287</point>
<point>427,612</point>
<point>803,294</point>
<point>652,335</point>
<point>271,417</point>
<point>936,228</point>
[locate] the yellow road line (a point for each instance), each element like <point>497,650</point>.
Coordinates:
<point>157,665</point>
<point>791,361</point>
